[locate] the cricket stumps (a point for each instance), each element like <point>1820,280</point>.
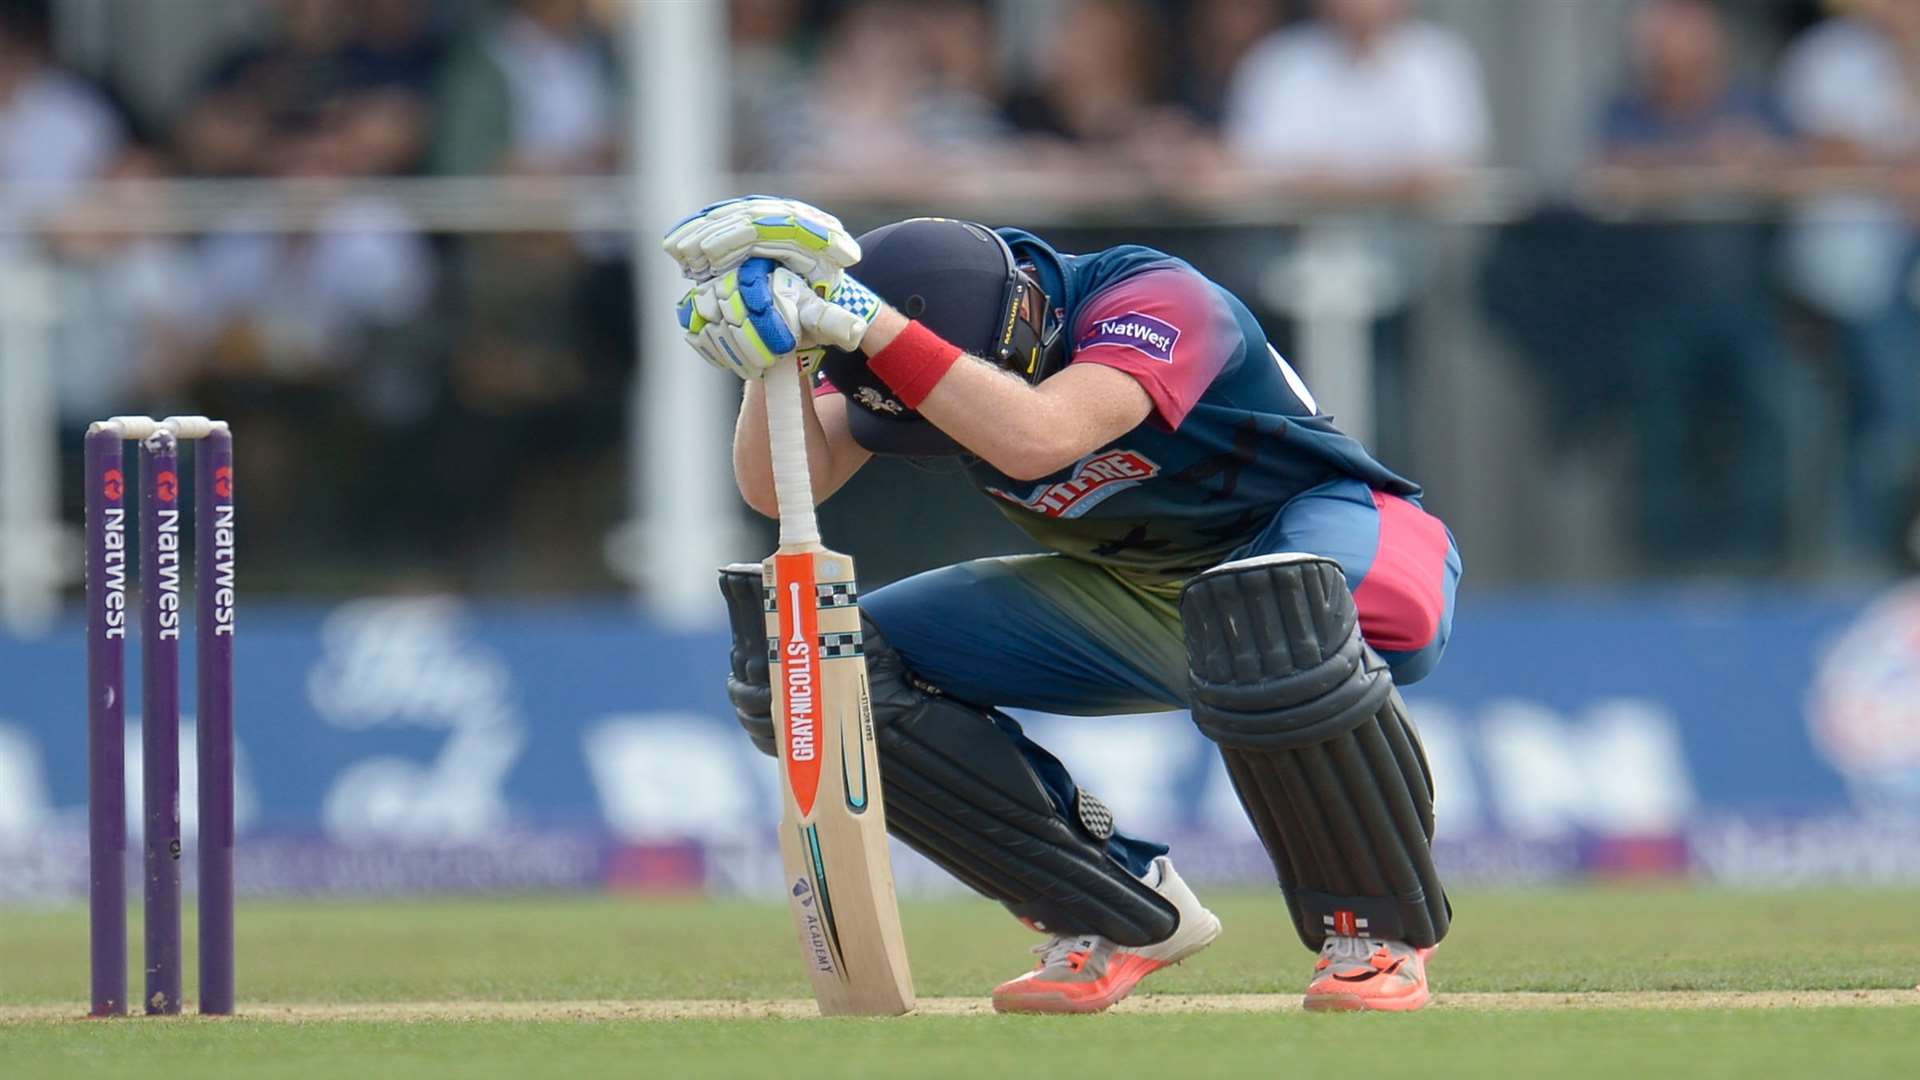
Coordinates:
<point>162,619</point>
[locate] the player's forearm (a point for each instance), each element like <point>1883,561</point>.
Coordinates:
<point>752,457</point>
<point>1021,430</point>
<point>830,465</point>
<point>1024,431</point>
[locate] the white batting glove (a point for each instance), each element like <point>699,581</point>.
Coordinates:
<point>705,330</point>
<point>746,320</point>
<point>805,239</point>
<point>837,322</point>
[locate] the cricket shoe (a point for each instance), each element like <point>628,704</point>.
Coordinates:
<point>1087,973</point>
<point>1361,973</point>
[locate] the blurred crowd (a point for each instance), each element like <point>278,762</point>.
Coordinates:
<point>419,393</point>
<point>1684,335</point>
<point>1750,334</point>
<point>1343,98</point>
<point>494,364</point>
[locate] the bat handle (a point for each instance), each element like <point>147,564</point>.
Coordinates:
<point>787,438</point>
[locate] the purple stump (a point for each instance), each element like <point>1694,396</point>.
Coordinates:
<point>160,576</point>
<point>107,719</point>
<point>213,578</point>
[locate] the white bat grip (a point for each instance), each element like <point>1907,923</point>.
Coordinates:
<point>787,438</point>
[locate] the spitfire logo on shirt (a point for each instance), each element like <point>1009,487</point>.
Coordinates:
<point>1135,330</point>
<point>1095,481</point>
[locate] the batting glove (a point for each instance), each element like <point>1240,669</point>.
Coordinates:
<point>805,239</point>
<point>747,319</point>
<point>705,330</point>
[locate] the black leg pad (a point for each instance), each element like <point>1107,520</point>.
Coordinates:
<point>1319,746</point>
<point>747,685</point>
<point>960,792</point>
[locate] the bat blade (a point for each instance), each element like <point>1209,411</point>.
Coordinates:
<point>833,838</point>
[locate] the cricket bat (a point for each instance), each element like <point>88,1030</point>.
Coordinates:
<point>833,834</point>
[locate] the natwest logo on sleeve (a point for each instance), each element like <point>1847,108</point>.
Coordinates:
<point>1135,330</point>
<point>1096,479</point>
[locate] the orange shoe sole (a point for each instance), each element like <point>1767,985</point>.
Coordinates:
<point>1337,1002</point>
<point>1026,996</point>
<point>1364,1003</point>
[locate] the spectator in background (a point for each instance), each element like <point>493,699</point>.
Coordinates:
<point>1684,107</point>
<point>537,371</point>
<point>317,334</point>
<point>886,108</point>
<point>1100,112</point>
<point>1361,105</point>
<point>960,44</point>
<point>55,131</point>
<point>320,51</point>
<point>313,101</point>
<point>767,54</point>
<point>532,93</point>
<point>1700,365</point>
<point>1217,36</point>
<point>1851,88</point>
<point>1103,69</point>
<point>396,46</point>
<point>134,348</point>
<point>1361,102</point>
<point>290,306</point>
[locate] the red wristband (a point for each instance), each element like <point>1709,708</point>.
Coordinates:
<point>913,362</point>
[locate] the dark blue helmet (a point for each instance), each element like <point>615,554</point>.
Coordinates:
<point>961,281</point>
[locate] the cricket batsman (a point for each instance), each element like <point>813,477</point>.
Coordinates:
<point>1213,543</point>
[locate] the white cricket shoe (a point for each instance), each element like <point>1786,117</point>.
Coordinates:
<point>1084,974</point>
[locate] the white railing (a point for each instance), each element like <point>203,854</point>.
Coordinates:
<point>505,204</point>
<point>1038,196</point>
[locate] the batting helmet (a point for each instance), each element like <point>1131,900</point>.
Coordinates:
<point>961,281</point>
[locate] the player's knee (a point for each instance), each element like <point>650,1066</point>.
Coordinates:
<point>894,623</point>
<point>1410,667</point>
<point>1412,646</point>
<point>1277,659</point>
<point>1400,615</point>
<point>1405,608</point>
<point>892,688</point>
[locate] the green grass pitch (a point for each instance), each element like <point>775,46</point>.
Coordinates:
<point>330,970</point>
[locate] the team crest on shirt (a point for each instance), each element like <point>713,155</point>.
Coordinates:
<point>1136,330</point>
<point>875,401</point>
<point>1096,480</point>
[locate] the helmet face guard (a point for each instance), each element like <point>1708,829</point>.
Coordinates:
<point>962,281</point>
<point>1030,336</point>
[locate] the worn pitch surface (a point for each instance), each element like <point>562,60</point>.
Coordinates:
<point>1576,982</point>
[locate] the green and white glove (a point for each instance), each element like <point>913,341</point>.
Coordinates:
<point>746,320</point>
<point>805,239</point>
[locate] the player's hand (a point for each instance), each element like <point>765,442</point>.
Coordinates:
<point>733,321</point>
<point>805,239</point>
<point>700,321</point>
<point>746,320</point>
<point>839,321</point>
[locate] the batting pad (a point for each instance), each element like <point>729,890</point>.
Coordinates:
<point>747,686</point>
<point>1318,745</point>
<point>960,792</point>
